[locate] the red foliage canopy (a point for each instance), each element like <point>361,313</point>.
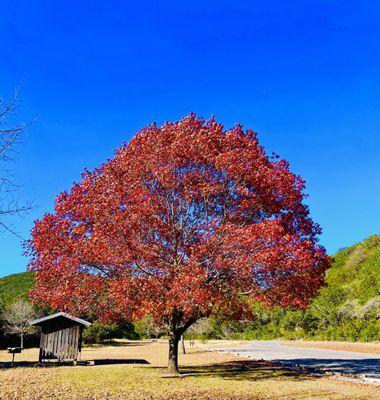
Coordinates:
<point>183,219</point>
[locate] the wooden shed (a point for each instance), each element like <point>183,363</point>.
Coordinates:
<point>61,336</point>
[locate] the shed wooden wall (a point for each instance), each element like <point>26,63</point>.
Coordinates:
<point>62,344</point>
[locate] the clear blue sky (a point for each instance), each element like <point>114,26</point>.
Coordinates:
<point>304,74</point>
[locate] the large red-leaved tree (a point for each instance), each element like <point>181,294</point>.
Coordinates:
<point>186,218</point>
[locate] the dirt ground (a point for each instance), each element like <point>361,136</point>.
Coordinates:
<point>345,346</point>
<point>136,370</point>
<point>373,347</point>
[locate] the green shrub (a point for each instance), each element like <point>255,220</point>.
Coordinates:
<point>99,333</point>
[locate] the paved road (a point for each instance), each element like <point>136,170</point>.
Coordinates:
<point>323,359</point>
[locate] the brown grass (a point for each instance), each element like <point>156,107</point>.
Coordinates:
<point>207,375</point>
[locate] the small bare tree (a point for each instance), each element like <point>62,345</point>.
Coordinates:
<point>200,327</point>
<point>16,319</point>
<point>10,134</point>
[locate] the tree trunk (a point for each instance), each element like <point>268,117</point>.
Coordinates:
<point>183,345</point>
<point>22,341</point>
<point>173,353</point>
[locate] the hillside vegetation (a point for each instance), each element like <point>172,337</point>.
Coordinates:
<point>16,286</point>
<point>347,308</point>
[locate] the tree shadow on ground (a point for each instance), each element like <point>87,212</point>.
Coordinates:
<point>121,361</point>
<point>351,366</point>
<point>246,370</point>
<point>102,361</point>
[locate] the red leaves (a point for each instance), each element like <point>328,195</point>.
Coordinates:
<point>183,219</point>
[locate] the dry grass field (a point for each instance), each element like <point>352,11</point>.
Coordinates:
<point>135,370</point>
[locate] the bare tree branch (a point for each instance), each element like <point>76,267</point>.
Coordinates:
<point>10,135</point>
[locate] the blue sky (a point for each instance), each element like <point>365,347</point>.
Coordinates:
<point>304,74</point>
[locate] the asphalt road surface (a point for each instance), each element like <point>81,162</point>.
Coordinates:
<point>346,362</point>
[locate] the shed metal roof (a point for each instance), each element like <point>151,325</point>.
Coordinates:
<point>40,321</point>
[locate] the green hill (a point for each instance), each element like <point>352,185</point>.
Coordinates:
<point>347,308</point>
<point>16,286</point>
<point>356,272</point>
